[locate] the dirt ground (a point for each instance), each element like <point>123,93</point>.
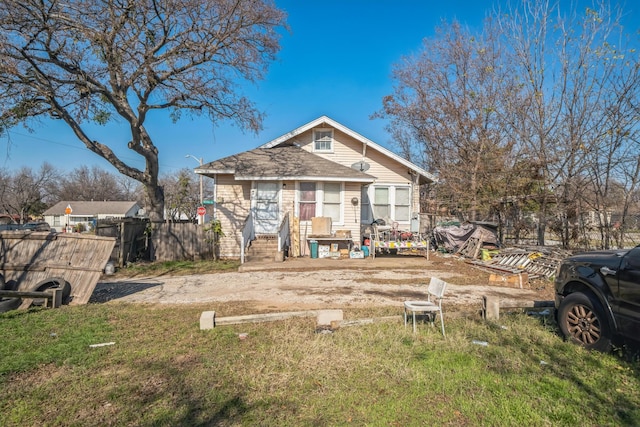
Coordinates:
<point>305,283</point>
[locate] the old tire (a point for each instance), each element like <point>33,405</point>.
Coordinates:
<point>53,282</point>
<point>7,304</point>
<point>583,321</point>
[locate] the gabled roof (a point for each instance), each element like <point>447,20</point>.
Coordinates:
<point>282,162</point>
<point>370,144</point>
<point>91,208</point>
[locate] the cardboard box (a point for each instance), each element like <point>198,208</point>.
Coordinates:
<point>343,234</point>
<point>356,254</point>
<point>321,226</point>
<point>323,251</point>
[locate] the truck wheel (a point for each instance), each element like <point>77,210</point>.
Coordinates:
<point>583,321</point>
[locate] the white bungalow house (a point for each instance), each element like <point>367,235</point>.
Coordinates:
<point>71,213</point>
<point>319,170</point>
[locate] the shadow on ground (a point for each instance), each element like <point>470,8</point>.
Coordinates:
<point>108,291</point>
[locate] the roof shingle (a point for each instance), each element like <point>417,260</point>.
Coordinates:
<point>282,162</point>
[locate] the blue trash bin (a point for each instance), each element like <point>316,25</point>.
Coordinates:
<point>313,245</point>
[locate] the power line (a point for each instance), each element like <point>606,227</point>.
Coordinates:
<point>82,148</point>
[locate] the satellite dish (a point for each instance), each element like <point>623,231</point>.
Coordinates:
<point>361,166</point>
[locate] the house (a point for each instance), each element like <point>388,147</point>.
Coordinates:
<point>72,213</point>
<point>320,170</point>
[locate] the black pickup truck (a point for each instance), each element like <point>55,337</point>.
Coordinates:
<point>598,298</point>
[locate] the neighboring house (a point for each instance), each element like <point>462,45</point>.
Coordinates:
<point>72,213</point>
<point>321,169</point>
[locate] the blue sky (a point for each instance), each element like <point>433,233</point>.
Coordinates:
<point>336,61</point>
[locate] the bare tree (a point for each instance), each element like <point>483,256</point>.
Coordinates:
<point>25,192</point>
<point>87,184</point>
<point>92,61</point>
<point>448,111</point>
<point>538,112</point>
<point>131,189</point>
<point>569,60</point>
<point>182,195</point>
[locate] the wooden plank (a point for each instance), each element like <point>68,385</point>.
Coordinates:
<point>25,294</point>
<point>295,237</point>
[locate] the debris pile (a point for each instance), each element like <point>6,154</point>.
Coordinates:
<point>537,262</point>
<point>478,244</point>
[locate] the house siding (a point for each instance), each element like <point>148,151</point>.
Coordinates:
<point>351,212</point>
<point>348,150</point>
<point>233,204</point>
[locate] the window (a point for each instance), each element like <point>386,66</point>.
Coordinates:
<point>392,203</point>
<point>320,199</point>
<point>307,200</point>
<point>323,140</point>
<point>381,207</point>
<point>332,200</point>
<point>403,204</point>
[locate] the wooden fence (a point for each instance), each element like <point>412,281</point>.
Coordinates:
<point>138,239</point>
<point>131,239</point>
<point>180,241</point>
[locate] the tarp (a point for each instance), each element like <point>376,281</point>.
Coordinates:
<point>452,237</point>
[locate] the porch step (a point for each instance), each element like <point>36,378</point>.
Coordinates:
<point>264,248</point>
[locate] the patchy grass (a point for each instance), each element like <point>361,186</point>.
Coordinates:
<point>163,370</point>
<point>176,268</point>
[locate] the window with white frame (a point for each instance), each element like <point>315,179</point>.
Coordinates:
<point>320,199</point>
<point>402,204</point>
<point>332,200</point>
<point>391,203</point>
<point>307,200</point>
<point>381,204</point>
<point>323,140</point>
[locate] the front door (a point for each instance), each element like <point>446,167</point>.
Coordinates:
<point>266,208</point>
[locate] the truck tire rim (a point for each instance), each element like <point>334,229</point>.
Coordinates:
<point>583,324</point>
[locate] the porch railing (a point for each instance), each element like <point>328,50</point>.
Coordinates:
<point>248,235</point>
<point>284,236</point>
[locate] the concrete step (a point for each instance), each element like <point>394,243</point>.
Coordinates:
<point>263,249</point>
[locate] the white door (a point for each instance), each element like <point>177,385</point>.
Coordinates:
<point>266,209</point>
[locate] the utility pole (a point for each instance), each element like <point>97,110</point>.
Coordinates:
<point>199,160</point>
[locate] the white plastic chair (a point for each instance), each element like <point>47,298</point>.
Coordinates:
<point>431,307</point>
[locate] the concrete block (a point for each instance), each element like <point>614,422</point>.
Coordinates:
<point>491,306</point>
<point>208,320</point>
<point>329,318</point>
